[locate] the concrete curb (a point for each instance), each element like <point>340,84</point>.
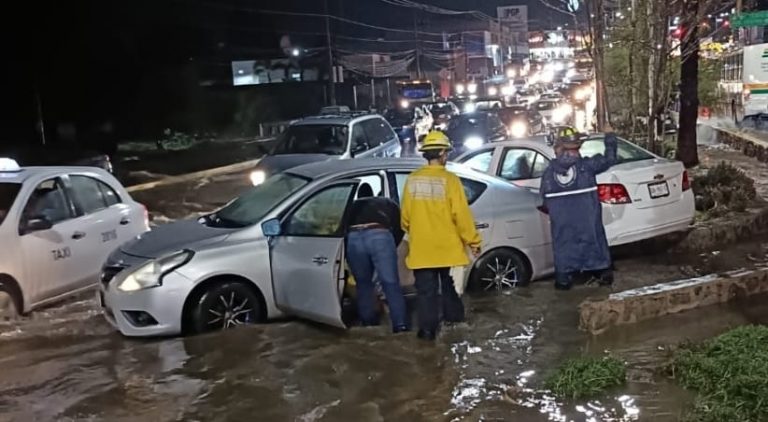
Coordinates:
<point>748,144</point>
<point>231,168</point>
<point>631,306</point>
<point>724,231</point>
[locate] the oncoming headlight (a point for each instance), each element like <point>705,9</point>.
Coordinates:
<point>518,129</point>
<point>473,142</point>
<point>258,177</point>
<point>151,274</point>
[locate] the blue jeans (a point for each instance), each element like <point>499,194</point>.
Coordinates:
<point>369,251</point>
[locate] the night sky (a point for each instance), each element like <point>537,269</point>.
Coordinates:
<point>89,60</point>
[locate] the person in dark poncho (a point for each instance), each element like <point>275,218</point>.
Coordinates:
<point>569,191</point>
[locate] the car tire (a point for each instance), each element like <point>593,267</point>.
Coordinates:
<point>225,305</point>
<point>8,305</point>
<point>499,269</point>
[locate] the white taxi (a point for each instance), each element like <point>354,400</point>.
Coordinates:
<point>57,227</point>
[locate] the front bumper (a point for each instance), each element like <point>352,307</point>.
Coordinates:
<point>165,304</point>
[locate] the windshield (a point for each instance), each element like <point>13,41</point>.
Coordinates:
<point>467,122</point>
<point>313,139</point>
<point>438,109</point>
<point>509,114</point>
<point>627,152</point>
<point>488,105</point>
<point>252,206</point>
<point>399,117</point>
<point>8,192</point>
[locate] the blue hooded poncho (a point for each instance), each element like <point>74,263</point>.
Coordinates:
<point>569,190</point>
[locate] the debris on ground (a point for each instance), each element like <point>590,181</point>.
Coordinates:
<point>723,189</point>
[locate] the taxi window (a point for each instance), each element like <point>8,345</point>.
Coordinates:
<point>8,192</point>
<point>48,201</point>
<point>88,194</point>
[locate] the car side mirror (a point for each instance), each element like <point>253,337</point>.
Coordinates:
<point>36,224</point>
<point>271,228</point>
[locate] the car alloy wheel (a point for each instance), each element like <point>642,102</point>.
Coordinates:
<point>224,306</point>
<point>498,270</point>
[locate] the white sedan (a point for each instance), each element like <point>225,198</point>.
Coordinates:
<point>643,196</point>
<point>57,226</point>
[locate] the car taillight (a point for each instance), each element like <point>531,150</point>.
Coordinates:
<point>613,193</point>
<point>686,181</point>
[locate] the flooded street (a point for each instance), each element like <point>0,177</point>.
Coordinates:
<point>67,364</point>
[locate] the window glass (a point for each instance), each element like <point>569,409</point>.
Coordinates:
<point>627,152</point>
<point>8,192</point>
<point>374,181</point>
<point>88,194</point>
<point>539,166</point>
<point>378,132</point>
<point>480,161</point>
<point>254,205</point>
<point>313,139</point>
<point>472,189</point>
<point>517,164</point>
<point>321,215</point>
<point>359,140</point>
<point>49,201</point>
<point>110,196</point>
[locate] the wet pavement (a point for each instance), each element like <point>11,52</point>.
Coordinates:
<point>66,364</point>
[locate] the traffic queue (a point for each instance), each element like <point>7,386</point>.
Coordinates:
<point>334,211</point>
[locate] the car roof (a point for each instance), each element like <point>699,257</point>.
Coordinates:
<point>26,173</point>
<point>332,167</point>
<point>333,119</point>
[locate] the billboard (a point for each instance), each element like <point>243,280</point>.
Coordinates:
<point>514,17</point>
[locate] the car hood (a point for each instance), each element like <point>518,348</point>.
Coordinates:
<point>172,237</point>
<point>277,163</point>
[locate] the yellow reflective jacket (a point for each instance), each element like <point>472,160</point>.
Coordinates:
<point>437,218</point>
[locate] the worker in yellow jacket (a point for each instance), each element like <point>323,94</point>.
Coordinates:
<point>436,216</point>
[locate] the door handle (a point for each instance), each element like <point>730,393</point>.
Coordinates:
<point>78,235</point>
<point>125,221</point>
<point>320,260</point>
<point>481,225</point>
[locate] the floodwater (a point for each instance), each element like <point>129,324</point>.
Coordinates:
<point>67,364</point>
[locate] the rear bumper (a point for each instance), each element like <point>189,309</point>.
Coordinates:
<point>632,225</point>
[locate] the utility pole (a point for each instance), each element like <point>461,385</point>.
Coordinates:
<point>331,70</point>
<point>40,119</point>
<point>418,43</point>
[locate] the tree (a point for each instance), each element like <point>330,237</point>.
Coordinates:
<point>687,150</point>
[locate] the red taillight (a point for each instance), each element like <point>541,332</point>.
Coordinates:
<point>686,181</point>
<point>613,193</point>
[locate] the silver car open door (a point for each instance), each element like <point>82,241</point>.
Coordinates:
<point>308,256</point>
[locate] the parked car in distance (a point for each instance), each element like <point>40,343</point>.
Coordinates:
<point>552,95</point>
<point>520,121</point>
<point>442,112</point>
<point>643,195</point>
<point>278,250</point>
<point>411,124</point>
<point>528,95</point>
<point>57,226</point>
<point>329,137</point>
<point>469,131</point>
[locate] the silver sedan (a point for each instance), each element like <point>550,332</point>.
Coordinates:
<point>278,250</point>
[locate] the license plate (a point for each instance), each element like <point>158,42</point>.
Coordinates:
<point>658,190</point>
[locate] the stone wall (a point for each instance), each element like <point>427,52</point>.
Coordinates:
<point>645,303</point>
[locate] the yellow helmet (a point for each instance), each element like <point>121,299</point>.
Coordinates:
<point>436,140</point>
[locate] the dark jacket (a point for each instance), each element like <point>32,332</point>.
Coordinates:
<point>378,210</point>
<point>570,195</point>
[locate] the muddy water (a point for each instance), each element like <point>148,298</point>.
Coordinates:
<point>67,364</point>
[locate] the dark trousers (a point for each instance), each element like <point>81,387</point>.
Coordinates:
<point>566,280</point>
<point>436,292</point>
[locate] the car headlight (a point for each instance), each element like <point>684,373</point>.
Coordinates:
<point>258,177</point>
<point>151,274</point>
<point>493,91</point>
<point>473,142</point>
<point>518,129</point>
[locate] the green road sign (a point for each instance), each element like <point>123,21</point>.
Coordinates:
<point>742,20</point>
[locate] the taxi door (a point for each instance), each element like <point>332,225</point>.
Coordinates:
<point>307,257</point>
<point>52,256</point>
